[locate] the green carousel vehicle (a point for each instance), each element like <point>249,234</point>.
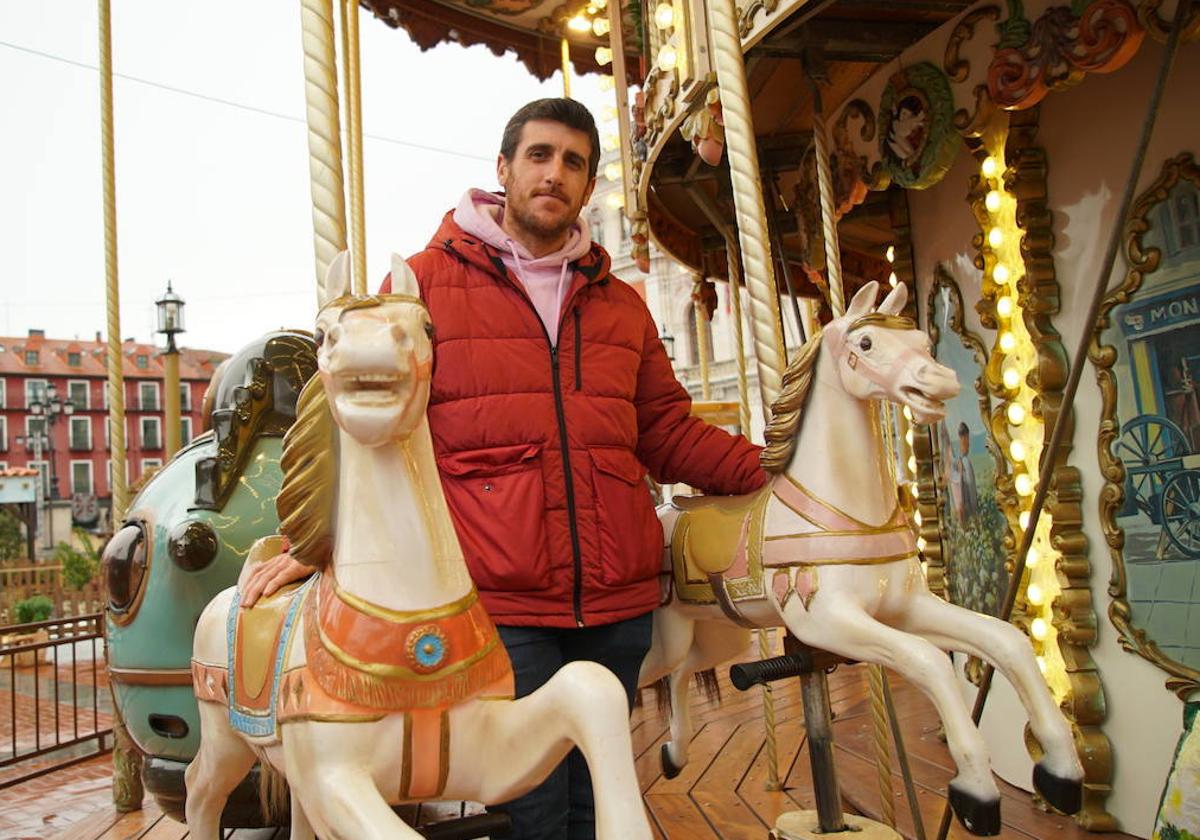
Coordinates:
<point>184,539</point>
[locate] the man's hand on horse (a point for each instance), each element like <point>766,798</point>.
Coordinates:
<point>270,575</point>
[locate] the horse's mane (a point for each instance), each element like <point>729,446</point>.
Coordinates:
<point>309,478</point>
<point>788,409</point>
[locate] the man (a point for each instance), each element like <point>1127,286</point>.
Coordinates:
<point>550,392</point>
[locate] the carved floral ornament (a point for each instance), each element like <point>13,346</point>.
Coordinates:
<point>995,57</point>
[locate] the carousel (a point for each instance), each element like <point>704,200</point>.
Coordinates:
<point>928,221</point>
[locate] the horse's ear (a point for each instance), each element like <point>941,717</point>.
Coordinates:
<point>404,282</point>
<point>337,279</point>
<point>864,301</point>
<point>893,304</point>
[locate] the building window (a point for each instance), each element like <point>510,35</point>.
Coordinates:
<point>1185,212</point>
<point>43,468</point>
<point>149,464</point>
<point>148,396</point>
<point>142,361</point>
<point>185,396</point>
<point>151,433</point>
<point>77,393</point>
<point>3,392</point>
<point>74,359</point>
<point>81,477</point>
<point>3,465</point>
<point>35,391</point>
<point>81,434</point>
<point>35,426</point>
<point>3,434</point>
<point>185,431</point>
<point>31,357</point>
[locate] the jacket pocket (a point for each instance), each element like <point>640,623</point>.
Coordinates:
<point>629,534</point>
<point>498,502</point>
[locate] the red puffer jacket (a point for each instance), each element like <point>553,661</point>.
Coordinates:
<point>541,450</point>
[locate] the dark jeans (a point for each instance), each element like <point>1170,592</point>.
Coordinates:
<point>561,807</point>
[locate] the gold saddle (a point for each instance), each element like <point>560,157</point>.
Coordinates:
<point>711,530</point>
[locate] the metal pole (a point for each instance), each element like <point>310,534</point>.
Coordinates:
<point>814,690</point>
<point>171,398</point>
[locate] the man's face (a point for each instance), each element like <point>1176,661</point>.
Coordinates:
<point>547,182</point>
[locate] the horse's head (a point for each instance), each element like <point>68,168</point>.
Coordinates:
<point>375,354</point>
<point>881,355</point>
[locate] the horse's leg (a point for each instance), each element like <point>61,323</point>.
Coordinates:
<point>1059,775</point>
<point>330,768</point>
<point>221,763</point>
<point>500,750</point>
<point>712,643</point>
<point>839,625</point>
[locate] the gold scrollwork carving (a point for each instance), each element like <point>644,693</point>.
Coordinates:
<point>1143,261</point>
<point>1074,615</point>
<point>746,19</point>
<point>958,69</point>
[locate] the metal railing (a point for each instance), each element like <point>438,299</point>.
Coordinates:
<point>52,719</point>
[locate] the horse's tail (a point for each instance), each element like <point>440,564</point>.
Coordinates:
<point>706,681</point>
<point>273,795</point>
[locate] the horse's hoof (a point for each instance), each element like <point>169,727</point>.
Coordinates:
<point>1065,795</point>
<point>670,768</point>
<point>980,817</point>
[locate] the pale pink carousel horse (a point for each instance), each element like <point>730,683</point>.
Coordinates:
<point>825,550</point>
<point>383,680</point>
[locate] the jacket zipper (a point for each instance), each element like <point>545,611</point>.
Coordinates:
<point>578,352</point>
<point>561,415</point>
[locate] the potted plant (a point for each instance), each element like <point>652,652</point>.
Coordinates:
<point>79,567</point>
<point>32,609</point>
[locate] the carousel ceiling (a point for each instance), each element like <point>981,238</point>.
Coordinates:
<point>531,29</point>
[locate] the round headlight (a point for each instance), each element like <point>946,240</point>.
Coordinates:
<point>192,545</point>
<point>124,566</point>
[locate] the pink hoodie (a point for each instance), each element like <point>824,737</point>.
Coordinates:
<point>546,279</point>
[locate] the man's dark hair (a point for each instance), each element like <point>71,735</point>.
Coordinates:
<point>566,111</point>
<point>963,430</point>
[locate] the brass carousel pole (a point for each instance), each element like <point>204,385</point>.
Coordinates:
<point>354,142</point>
<point>324,138</point>
<point>127,761</point>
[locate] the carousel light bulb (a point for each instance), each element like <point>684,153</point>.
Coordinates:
<point>600,27</point>
<point>990,167</point>
<point>1023,519</point>
<point>1032,558</point>
<point>1037,628</point>
<point>1041,662</point>
<point>1034,594</point>
<point>893,279</point>
<point>1012,378</point>
<point>992,201</point>
<point>610,142</point>
<point>891,253</point>
<point>1000,274</point>
<point>912,464</point>
<point>615,199</point>
<point>1017,451</point>
<point>667,58</point>
<point>1024,484</point>
<point>917,517</point>
<point>600,4</point>
<point>1016,414</point>
<point>908,414</point>
<point>1004,306</point>
<point>612,171</point>
<point>908,437</point>
<point>603,56</point>
<point>579,23</point>
<point>995,237</point>
<point>606,81</point>
<point>1008,341</point>
<point>914,489</point>
<point>921,543</point>
<point>664,16</point>
<point>608,113</point>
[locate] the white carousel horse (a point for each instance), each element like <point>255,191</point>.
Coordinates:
<point>383,680</point>
<point>825,550</point>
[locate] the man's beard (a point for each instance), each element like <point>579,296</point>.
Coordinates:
<point>528,220</point>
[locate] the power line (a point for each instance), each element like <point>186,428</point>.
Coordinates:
<point>239,105</point>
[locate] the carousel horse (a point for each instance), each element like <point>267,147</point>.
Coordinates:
<point>383,680</point>
<point>826,551</point>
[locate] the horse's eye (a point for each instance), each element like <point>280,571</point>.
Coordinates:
<point>864,343</point>
<point>319,336</point>
<point>429,330</point>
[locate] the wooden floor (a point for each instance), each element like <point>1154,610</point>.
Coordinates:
<point>722,794</point>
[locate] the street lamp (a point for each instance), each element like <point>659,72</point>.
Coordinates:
<point>170,323</point>
<point>668,342</point>
<point>49,408</point>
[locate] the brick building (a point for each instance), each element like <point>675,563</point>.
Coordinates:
<point>78,460</point>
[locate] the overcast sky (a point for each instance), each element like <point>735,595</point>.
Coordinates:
<point>212,159</point>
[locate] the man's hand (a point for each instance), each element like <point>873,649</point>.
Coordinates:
<point>268,576</point>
